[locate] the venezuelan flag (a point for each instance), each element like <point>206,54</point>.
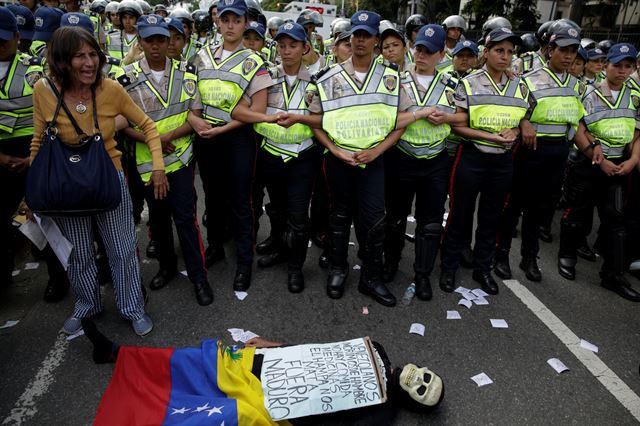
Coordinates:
<point>209,385</point>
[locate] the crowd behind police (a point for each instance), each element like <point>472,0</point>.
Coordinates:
<point>356,129</point>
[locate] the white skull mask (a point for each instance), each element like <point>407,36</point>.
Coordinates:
<point>422,385</point>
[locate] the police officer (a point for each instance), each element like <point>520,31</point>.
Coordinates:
<point>419,165</point>
<point>577,68</point>
<point>26,23</point>
<point>273,24</point>
<point>547,131</point>
<point>97,16</point>
<point>177,39</point>
<point>225,147</point>
<point>254,38</point>
<point>411,27</point>
<point>483,166</point>
<point>120,42</point>
<point>455,25</point>
<point>161,10</point>
<point>609,150</point>
<point>47,20</point>
<point>594,66</point>
<point>202,26</point>
<point>341,49</point>
<point>18,74</point>
<point>339,27</point>
<point>193,46</point>
<point>393,45</point>
<point>288,158</point>
<point>533,58</point>
<point>359,101</point>
<point>166,90</point>
<point>111,12</point>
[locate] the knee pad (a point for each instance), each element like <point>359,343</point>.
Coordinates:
<point>430,230</point>
<point>615,202</point>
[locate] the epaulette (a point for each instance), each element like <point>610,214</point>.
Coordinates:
<point>185,66</point>
<point>319,74</point>
<point>393,66</point>
<point>113,61</point>
<point>448,80</point>
<point>32,60</point>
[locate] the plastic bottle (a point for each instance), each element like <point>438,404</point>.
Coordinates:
<point>408,294</point>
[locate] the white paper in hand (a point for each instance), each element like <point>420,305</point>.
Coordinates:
<point>482,379</point>
<point>588,346</point>
<point>499,323</point>
<point>417,328</point>
<point>453,315</point>
<point>557,365</point>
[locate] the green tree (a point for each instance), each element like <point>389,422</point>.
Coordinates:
<point>483,9</point>
<point>524,15</point>
<point>437,10</point>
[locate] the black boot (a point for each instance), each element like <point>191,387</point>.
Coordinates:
<point>339,232</point>
<point>466,258</point>
<point>614,266</point>
<point>297,239</point>
<point>274,243</point>
<point>487,282</point>
<point>501,265</point>
<point>586,252</point>
<point>371,274</point>
<point>427,243</point>
<point>529,265</point>
<point>448,281</point>
<point>214,253</point>
<point>393,245</point>
<point>151,249</point>
<point>571,233</point>
<point>545,234</point>
<point>567,268</point>
<point>58,285</point>
<point>242,280</point>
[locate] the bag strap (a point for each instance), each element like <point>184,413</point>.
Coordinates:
<point>53,122</point>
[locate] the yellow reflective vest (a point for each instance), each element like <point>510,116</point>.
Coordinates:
<point>423,139</point>
<point>222,86</point>
<point>117,44</point>
<point>173,114</point>
<point>359,118</point>
<point>287,142</point>
<point>16,100</point>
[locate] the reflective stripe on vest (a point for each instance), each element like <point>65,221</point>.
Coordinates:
<point>173,114</point>
<point>615,127</point>
<point>16,103</point>
<point>365,118</point>
<point>558,109</point>
<point>117,44</point>
<point>493,113</point>
<point>423,139</point>
<point>222,86</point>
<point>285,141</point>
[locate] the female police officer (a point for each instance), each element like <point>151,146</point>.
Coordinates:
<point>483,165</point>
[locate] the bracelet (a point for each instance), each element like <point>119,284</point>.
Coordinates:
<point>592,145</point>
<point>414,116</point>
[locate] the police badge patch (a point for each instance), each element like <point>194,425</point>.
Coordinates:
<point>390,82</point>
<point>635,100</point>
<point>32,78</point>
<point>248,65</point>
<point>190,87</point>
<point>524,90</point>
<point>308,97</point>
<point>450,96</point>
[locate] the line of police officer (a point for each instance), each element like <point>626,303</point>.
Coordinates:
<point>384,129</point>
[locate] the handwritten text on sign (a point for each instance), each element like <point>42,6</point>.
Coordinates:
<point>305,380</point>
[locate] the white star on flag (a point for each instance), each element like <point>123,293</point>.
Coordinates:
<point>214,410</point>
<point>179,410</point>
<point>203,408</point>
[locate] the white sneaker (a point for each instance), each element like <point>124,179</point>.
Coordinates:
<point>72,325</point>
<point>141,326</point>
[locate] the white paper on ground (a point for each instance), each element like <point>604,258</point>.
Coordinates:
<point>184,273</point>
<point>412,236</point>
<point>635,266</point>
<point>241,295</point>
<point>73,336</point>
<point>453,315</point>
<point>479,292</point>
<point>356,267</point>
<point>557,365</point>
<point>240,335</point>
<point>480,301</point>
<point>32,231</point>
<point>469,296</point>
<point>588,346</point>
<point>499,323</point>
<point>461,290</point>
<point>309,244</point>
<point>365,310</point>
<point>59,244</point>
<point>15,273</point>
<point>9,324</point>
<point>417,328</point>
<point>465,302</point>
<point>411,219</point>
<point>31,265</point>
<point>482,379</point>
<point>351,243</point>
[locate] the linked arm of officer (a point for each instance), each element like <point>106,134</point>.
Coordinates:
<point>288,119</point>
<point>256,112</point>
<point>323,138</point>
<point>591,148</point>
<point>204,129</point>
<point>368,155</point>
<point>629,164</point>
<point>505,136</point>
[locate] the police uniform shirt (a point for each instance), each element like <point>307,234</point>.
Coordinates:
<point>480,84</point>
<point>275,89</point>
<point>421,89</point>
<point>147,100</point>
<point>634,79</point>
<point>315,105</point>
<point>260,81</point>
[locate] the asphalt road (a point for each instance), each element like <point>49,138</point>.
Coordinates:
<point>46,380</point>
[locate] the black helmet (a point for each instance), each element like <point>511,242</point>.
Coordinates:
<point>605,45</point>
<point>253,10</point>
<point>387,28</point>
<point>159,7</point>
<point>529,43</point>
<point>413,23</point>
<point>542,31</point>
<point>587,43</point>
<point>202,20</point>
<point>98,6</point>
<point>309,16</point>
<point>495,23</point>
<point>181,14</point>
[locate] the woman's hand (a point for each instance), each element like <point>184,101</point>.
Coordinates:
<point>597,155</point>
<point>286,120</point>
<point>259,342</point>
<point>528,134</point>
<point>367,156</point>
<point>160,184</point>
<point>609,168</point>
<point>626,167</point>
<point>438,117</point>
<point>210,133</point>
<point>347,157</point>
